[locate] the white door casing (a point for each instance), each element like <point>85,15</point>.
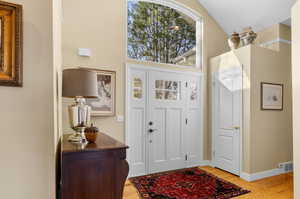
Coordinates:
<point>177,136</point>
<point>227,116</point>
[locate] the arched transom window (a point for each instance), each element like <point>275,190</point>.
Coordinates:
<point>163,34</point>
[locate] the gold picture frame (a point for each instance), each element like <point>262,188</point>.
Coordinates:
<point>105,105</point>
<point>11,44</point>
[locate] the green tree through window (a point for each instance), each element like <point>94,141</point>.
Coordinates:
<point>160,34</point>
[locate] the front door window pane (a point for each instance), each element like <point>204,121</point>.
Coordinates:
<point>167,90</point>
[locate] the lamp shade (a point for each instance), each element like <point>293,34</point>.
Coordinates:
<point>79,83</point>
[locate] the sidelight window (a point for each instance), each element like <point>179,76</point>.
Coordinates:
<point>137,88</point>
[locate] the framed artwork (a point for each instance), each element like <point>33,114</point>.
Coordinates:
<point>11,37</point>
<point>271,96</point>
<point>105,104</point>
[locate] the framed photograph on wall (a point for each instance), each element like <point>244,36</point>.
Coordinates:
<point>105,104</point>
<point>271,96</point>
<point>11,44</point>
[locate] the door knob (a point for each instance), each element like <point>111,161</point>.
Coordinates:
<point>152,130</point>
<point>236,127</point>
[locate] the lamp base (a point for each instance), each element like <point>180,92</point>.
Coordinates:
<point>80,115</point>
<point>78,137</point>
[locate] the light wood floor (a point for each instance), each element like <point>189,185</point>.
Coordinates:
<point>277,187</point>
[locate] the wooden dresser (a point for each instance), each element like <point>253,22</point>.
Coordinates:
<point>92,171</point>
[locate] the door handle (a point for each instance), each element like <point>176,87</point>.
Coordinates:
<point>233,127</point>
<point>152,130</point>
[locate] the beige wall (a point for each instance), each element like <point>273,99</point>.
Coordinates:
<point>100,25</point>
<point>268,34</point>
<point>296,95</point>
<point>275,32</point>
<point>285,32</point>
<point>267,135</point>
<point>26,119</point>
<point>271,131</point>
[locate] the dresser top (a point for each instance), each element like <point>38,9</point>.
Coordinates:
<point>103,142</point>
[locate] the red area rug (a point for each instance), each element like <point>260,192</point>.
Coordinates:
<point>192,183</point>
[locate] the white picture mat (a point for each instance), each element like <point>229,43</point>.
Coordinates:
<point>105,104</point>
<point>272,96</point>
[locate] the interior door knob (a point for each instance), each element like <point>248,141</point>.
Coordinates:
<point>236,127</point>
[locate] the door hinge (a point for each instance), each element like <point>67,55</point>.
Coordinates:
<point>186,121</point>
<point>214,153</point>
<point>186,157</point>
<point>186,84</point>
<point>214,83</point>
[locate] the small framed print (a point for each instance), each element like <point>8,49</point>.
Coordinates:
<point>105,104</point>
<point>271,96</point>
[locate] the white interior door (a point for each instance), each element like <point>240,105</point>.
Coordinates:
<point>228,119</point>
<point>166,121</point>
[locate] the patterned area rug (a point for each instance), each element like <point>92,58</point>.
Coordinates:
<point>192,183</point>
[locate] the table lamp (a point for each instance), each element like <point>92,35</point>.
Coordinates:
<point>79,84</point>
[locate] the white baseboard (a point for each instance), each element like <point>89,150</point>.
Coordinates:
<point>249,177</point>
<point>205,163</point>
<point>260,175</point>
<point>201,163</point>
<point>245,176</point>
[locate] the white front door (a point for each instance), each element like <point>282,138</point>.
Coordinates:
<point>166,121</point>
<point>228,119</point>
<point>164,125</point>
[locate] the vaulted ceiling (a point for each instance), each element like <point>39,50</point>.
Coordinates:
<point>234,15</point>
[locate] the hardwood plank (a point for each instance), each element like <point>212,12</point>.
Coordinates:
<point>277,187</point>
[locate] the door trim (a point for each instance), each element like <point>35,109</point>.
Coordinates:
<point>127,96</point>
<point>213,88</point>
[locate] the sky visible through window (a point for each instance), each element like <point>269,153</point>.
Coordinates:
<point>160,34</point>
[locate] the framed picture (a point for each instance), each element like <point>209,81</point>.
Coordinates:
<point>105,104</point>
<point>10,44</point>
<point>271,96</point>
